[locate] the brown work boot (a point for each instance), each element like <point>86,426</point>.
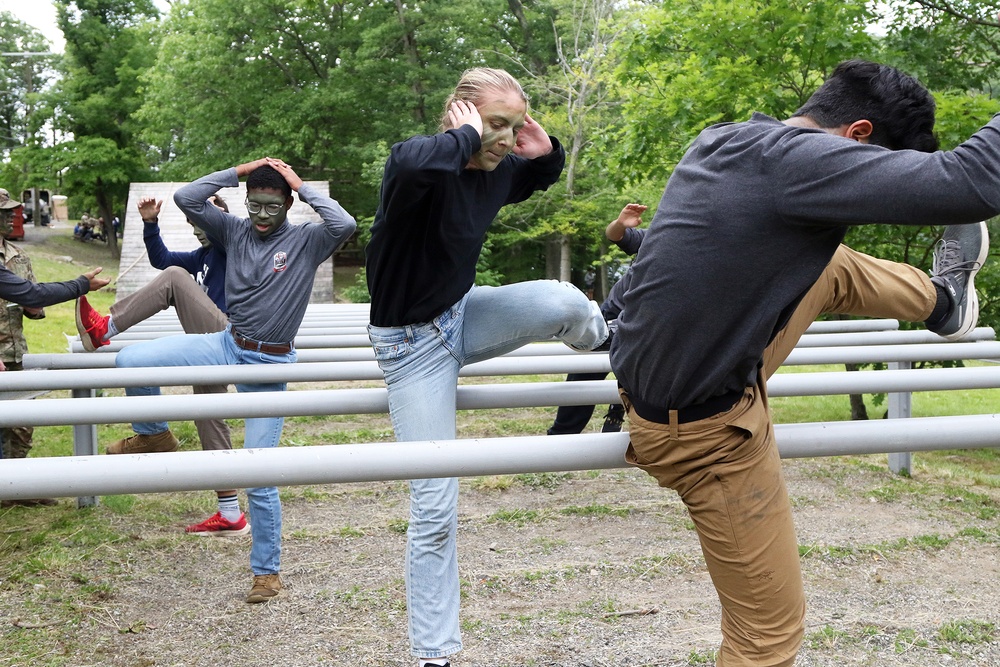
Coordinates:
<point>145,444</point>
<point>265,587</point>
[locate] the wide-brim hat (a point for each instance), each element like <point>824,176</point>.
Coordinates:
<point>6,201</point>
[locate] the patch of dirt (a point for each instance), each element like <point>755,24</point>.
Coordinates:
<point>580,569</point>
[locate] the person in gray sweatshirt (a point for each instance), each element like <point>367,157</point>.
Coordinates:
<point>270,268</point>
<point>726,281</point>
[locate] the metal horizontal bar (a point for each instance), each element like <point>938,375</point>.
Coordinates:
<point>470,397</point>
<point>177,407</point>
<point>329,464</point>
<point>339,337</point>
<point>910,337</point>
<point>870,354</point>
<point>105,358</point>
<point>263,373</point>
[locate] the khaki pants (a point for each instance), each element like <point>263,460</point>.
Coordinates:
<point>197,313</point>
<point>727,471</point>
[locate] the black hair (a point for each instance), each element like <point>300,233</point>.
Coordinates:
<point>267,177</point>
<point>899,108</point>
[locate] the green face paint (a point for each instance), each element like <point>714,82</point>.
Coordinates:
<point>267,210</point>
<point>503,115</point>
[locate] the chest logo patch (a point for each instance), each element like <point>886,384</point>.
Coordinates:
<point>280,261</point>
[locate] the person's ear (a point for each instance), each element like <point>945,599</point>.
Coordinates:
<point>860,131</point>
<point>289,201</point>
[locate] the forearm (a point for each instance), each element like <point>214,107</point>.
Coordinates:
<point>38,295</point>
<point>338,224</point>
<point>192,199</point>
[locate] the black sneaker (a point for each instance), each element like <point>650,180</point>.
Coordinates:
<point>605,345</point>
<point>614,419</point>
<point>957,259</point>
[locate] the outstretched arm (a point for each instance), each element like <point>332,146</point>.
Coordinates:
<point>37,295</point>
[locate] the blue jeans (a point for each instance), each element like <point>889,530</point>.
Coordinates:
<point>421,364</point>
<point>219,349</point>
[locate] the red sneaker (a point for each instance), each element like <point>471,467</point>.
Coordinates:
<point>220,526</point>
<point>91,324</point>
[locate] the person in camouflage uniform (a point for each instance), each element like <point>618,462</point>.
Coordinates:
<point>16,441</point>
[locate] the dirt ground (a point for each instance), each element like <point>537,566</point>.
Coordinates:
<point>582,570</point>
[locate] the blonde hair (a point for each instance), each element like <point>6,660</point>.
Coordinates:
<point>477,81</point>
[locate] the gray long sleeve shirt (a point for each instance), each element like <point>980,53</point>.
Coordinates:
<point>749,219</point>
<point>268,280</point>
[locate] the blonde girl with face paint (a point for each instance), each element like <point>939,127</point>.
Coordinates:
<point>439,195</point>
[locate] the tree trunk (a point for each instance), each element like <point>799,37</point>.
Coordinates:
<point>104,206</point>
<point>858,409</point>
<point>517,9</point>
<point>552,250</point>
<point>410,46</point>
<point>565,259</point>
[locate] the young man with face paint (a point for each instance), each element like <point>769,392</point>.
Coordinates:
<point>439,196</point>
<point>200,305</point>
<point>270,268</point>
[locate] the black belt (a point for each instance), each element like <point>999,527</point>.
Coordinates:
<point>257,346</point>
<point>692,413</point>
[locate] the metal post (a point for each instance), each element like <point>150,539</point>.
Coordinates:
<point>85,443</point>
<point>901,407</point>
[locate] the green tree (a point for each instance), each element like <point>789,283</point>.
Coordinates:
<point>694,63</point>
<point>26,71</point>
<point>109,44</point>
<point>320,84</point>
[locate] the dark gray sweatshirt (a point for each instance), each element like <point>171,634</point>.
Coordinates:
<point>268,280</point>
<point>749,219</point>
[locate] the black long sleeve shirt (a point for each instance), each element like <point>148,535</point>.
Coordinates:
<point>432,219</point>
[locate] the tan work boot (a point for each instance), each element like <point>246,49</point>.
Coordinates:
<point>265,587</point>
<point>145,444</point>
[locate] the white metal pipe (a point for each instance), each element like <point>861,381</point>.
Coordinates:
<point>263,373</point>
<point>329,464</point>
<point>176,407</point>
<point>105,358</point>
<point>782,384</point>
<point>910,337</point>
<point>533,394</point>
<point>799,357</point>
<point>869,354</point>
<point>339,337</point>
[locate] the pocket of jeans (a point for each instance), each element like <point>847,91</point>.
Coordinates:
<point>390,349</point>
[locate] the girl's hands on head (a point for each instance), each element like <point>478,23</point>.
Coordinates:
<point>465,113</point>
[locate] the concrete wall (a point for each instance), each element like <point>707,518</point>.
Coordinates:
<point>135,271</point>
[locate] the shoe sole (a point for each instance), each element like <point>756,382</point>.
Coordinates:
<point>972,312</point>
<point>259,599</point>
<point>88,345</point>
<point>220,533</point>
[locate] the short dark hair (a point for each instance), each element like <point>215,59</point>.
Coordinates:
<point>900,109</point>
<point>267,177</point>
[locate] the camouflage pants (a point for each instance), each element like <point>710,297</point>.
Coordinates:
<point>17,439</point>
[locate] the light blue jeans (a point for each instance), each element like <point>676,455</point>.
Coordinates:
<point>421,364</point>
<point>218,349</point>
